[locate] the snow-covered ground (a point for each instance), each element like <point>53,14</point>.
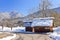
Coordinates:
<point>6,29</point>
<point>14,29</point>
<point>18,29</point>
<point>9,37</point>
<point>56,34</point>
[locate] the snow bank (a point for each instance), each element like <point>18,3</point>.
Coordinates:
<point>14,29</point>
<point>6,29</point>
<point>0,28</point>
<point>56,34</point>
<point>18,29</point>
<point>53,35</point>
<point>57,29</point>
<point>54,29</point>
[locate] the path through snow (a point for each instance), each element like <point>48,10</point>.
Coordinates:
<point>9,37</point>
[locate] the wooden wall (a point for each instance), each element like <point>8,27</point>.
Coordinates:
<point>40,29</point>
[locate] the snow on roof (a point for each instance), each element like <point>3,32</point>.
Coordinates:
<point>47,21</point>
<point>49,18</point>
<point>27,24</point>
<point>42,22</point>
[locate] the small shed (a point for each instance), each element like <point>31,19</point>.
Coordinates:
<point>41,25</point>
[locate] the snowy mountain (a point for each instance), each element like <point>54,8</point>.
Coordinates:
<point>9,15</point>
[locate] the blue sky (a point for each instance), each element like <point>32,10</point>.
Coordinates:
<point>23,6</point>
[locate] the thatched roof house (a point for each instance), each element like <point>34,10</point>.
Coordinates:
<point>42,21</point>
<point>40,24</point>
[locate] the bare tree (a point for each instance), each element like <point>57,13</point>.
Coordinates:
<point>15,14</point>
<point>44,5</point>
